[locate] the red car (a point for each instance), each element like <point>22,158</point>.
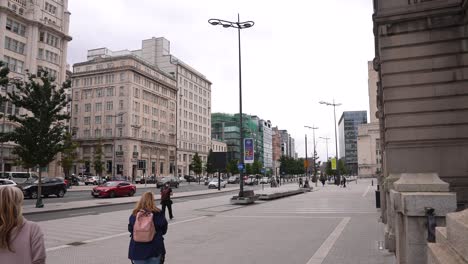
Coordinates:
<point>114,188</point>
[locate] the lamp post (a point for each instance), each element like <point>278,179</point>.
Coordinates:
<point>307,159</point>
<point>326,142</point>
<point>114,171</point>
<point>315,153</point>
<point>239,25</point>
<point>336,140</point>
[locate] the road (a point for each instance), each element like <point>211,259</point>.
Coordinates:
<point>72,196</point>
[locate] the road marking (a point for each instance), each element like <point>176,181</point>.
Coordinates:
<point>367,190</point>
<point>85,213</point>
<point>118,235</point>
<point>279,216</point>
<point>325,248</point>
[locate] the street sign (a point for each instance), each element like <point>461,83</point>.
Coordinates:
<point>333,165</point>
<point>248,150</point>
<point>306,163</point>
<point>263,171</point>
<point>240,166</point>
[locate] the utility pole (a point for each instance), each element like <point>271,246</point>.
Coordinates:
<point>315,154</point>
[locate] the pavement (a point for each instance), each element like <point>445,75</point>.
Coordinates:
<point>326,226</point>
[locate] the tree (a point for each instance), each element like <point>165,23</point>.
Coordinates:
<point>342,167</point>
<point>257,167</point>
<point>210,163</point>
<point>248,169</point>
<point>98,163</point>
<point>196,165</point>
<point>232,166</point>
<point>69,154</point>
<point>40,134</point>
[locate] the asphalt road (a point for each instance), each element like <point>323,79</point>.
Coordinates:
<point>111,208</point>
<point>73,196</point>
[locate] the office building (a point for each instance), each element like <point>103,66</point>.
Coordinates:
<point>348,134</point>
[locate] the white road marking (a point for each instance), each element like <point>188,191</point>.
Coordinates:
<point>367,190</point>
<point>119,235</point>
<point>279,216</point>
<point>325,248</point>
<point>85,213</point>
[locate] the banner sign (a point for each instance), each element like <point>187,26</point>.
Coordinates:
<point>248,150</point>
<point>333,165</point>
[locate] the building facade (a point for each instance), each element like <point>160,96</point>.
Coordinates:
<point>348,135</point>
<point>218,146</point>
<point>128,106</point>
<point>276,148</point>
<point>266,128</point>
<point>34,36</point>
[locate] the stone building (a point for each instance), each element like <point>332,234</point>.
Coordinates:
<point>34,36</point>
<point>129,106</point>
<point>218,146</point>
<point>276,148</point>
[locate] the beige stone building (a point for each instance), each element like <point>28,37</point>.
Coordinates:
<point>130,106</point>
<point>34,35</point>
<point>218,146</point>
<point>368,141</point>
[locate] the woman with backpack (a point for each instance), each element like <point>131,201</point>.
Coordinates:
<point>21,241</point>
<point>147,225</point>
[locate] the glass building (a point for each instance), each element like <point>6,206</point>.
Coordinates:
<point>348,134</point>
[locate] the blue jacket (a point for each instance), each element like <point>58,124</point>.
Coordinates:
<point>142,251</point>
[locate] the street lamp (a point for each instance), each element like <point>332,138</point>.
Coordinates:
<point>315,153</point>
<point>326,142</point>
<point>336,140</point>
<point>239,25</point>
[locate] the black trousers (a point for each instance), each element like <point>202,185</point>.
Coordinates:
<point>167,204</point>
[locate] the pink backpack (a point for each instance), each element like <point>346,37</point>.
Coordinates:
<point>143,229</point>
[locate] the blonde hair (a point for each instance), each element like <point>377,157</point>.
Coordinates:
<point>146,203</point>
<point>11,214</point>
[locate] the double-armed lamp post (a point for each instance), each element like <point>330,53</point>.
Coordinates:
<point>336,140</point>
<point>314,154</point>
<point>239,25</point>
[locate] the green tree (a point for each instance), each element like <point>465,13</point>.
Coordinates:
<point>257,167</point>
<point>209,167</point>
<point>40,134</point>
<point>232,166</point>
<point>69,154</point>
<point>196,165</point>
<point>342,167</point>
<point>98,163</point>
<point>248,169</point>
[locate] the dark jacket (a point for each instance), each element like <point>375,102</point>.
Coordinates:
<point>142,251</point>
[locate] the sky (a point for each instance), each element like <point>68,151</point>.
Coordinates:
<point>297,54</point>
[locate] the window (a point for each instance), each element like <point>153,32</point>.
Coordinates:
<point>15,27</point>
<point>120,131</point>
<point>87,120</point>
<point>110,91</point>
<point>97,120</point>
<point>155,111</point>
<point>137,93</point>
<point>121,104</point>
<point>50,8</point>
<point>122,76</point>
<point>108,132</point>
<point>86,133</point>
<point>109,105</point>
<point>98,107</point>
<point>122,91</point>
<point>49,39</point>
<point>87,107</point>
<point>100,92</point>
<point>14,65</point>
<point>97,133</point>
<point>76,108</point>
<point>109,119</point>
<point>48,56</point>
<point>14,45</point>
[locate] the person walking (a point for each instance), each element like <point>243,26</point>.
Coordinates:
<point>152,250</point>
<point>344,182</point>
<point>166,193</point>
<point>21,241</point>
<point>300,183</point>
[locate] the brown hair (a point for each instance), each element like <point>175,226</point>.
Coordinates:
<point>146,203</point>
<point>11,216</point>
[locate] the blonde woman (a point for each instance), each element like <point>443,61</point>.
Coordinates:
<point>21,241</point>
<point>152,252</point>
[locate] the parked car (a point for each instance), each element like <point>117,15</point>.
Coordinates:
<point>264,180</point>
<point>93,180</point>
<point>214,183</point>
<point>251,181</point>
<point>5,182</point>
<point>18,177</point>
<point>49,186</point>
<point>190,178</point>
<point>233,179</point>
<point>169,179</point>
<point>114,188</point>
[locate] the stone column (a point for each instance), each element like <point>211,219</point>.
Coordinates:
<point>412,194</point>
<point>388,215</point>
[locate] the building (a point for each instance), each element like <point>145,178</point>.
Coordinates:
<point>129,106</point>
<point>276,148</point>
<point>368,143</point>
<point>194,102</point>
<point>266,128</point>
<point>218,146</point>
<point>348,134</point>
<point>34,36</point>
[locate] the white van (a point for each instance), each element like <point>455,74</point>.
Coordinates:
<point>18,177</point>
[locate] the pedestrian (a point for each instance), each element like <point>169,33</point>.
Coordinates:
<point>306,183</point>
<point>300,183</point>
<point>152,250</point>
<point>21,241</point>
<point>344,182</point>
<point>166,193</point>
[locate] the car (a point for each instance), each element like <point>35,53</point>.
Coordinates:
<point>251,181</point>
<point>5,182</point>
<point>93,180</point>
<point>112,189</point>
<point>264,180</point>
<point>18,177</point>
<point>139,180</point>
<point>190,178</point>
<point>233,180</point>
<point>214,183</point>
<point>169,179</point>
<point>49,186</point>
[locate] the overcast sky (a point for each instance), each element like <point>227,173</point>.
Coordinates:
<point>297,54</point>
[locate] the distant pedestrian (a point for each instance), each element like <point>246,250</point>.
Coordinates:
<point>166,193</point>
<point>344,182</point>
<point>21,241</point>
<point>152,250</point>
<point>300,183</point>
<point>306,183</point>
